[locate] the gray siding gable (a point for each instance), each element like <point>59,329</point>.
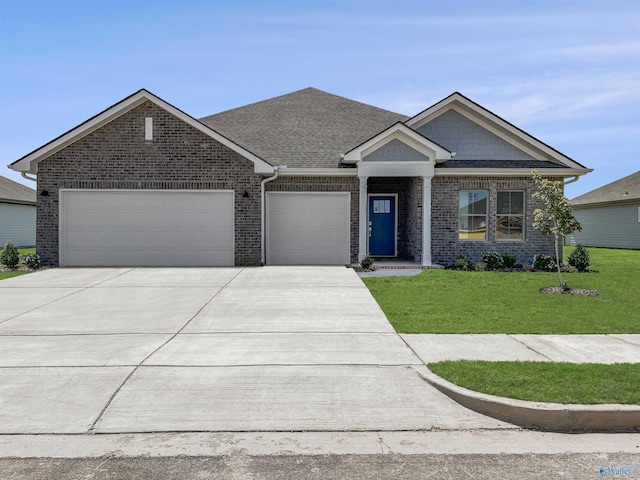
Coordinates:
<point>469,140</point>
<point>396,151</point>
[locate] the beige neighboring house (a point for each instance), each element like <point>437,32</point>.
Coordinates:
<point>17,214</point>
<point>609,215</point>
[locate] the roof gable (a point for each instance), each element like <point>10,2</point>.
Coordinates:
<point>29,162</point>
<point>308,128</point>
<point>400,132</point>
<point>491,122</point>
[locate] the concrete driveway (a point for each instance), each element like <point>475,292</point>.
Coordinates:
<point>228,349</point>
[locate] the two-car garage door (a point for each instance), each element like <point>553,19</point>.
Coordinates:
<point>196,228</point>
<point>146,228</point>
<point>308,228</point>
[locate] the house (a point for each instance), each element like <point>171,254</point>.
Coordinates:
<point>304,178</point>
<point>17,214</point>
<point>609,215</point>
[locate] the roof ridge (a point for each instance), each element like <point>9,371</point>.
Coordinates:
<point>307,89</point>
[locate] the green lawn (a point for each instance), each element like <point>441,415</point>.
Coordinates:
<point>23,251</point>
<point>448,301</point>
<point>567,383</point>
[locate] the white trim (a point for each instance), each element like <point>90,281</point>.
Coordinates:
<point>507,172</point>
<point>62,261</point>
<point>319,172</point>
<point>148,128</point>
<point>523,216</point>
<point>283,192</point>
<point>29,162</point>
<point>401,132</point>
<point>395,225</point>
<point>363,211</point>
<point>426,221</point>
<point>471,109</point>
<point>395,169</point>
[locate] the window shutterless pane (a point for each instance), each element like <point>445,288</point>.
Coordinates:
<point>503,202</point>
<point>517,203</point>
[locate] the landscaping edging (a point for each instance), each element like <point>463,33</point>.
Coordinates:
<point>550,417</point>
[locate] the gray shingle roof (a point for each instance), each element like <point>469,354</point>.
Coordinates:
<point>14,192</point>
<point>623,190</point>
<point>308,128</point>
<point>525,164</point>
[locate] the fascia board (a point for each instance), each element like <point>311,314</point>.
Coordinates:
<point>510,172</point>
<point>453,102</point>
<point>29,162</point>
<point>318,172</point>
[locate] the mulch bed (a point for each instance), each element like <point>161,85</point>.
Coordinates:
<point>570,291</point>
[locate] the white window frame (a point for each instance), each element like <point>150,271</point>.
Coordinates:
<point>522,215</point>
<point>486,216</point>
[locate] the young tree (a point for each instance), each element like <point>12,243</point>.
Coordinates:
<point>556,217</point>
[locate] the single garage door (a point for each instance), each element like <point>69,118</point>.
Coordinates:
<point>308,228</point>
<point>147,228</point>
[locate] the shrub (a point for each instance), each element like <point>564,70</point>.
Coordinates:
<point>509,260</point>
<point>366,263</point>
<point>545,263</point>
<point>579,258</point>
<point>493,260</point>
<point>31,260</point>
<point>464,263</point>
<point>10,256</point>
<point>480,267</point>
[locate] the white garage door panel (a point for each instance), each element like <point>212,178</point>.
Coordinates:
<point>308,228</point>
<point>146,228</point>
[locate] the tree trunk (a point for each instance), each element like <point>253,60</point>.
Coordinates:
<point>558,262</point>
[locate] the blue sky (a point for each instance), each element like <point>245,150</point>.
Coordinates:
<point>567,72</point>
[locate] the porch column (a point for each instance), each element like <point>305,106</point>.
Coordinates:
<point>362,224</point>
<point>426,221</point>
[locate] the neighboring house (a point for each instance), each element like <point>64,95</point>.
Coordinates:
<point>17,214</point>
<point>609,215</point>
<point>304,178</point>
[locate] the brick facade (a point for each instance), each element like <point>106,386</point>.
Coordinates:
<point>445,245</point>
<point>116,156</point>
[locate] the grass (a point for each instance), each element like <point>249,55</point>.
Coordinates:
<point>22,251</point>
<point>449,301</point>
<point>568,383</point>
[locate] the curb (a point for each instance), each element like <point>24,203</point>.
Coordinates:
<point>549,417</point>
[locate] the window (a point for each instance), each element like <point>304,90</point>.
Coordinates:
<point>472,215</point>
<point>510,216</point>
<point>382,206</point>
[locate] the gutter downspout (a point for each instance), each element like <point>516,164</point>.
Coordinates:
<point>24,175</point>
<point>264,213</point>
<point>574,179</point>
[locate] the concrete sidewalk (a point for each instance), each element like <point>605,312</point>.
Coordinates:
<point>544,348</point>
<point>209,350</point>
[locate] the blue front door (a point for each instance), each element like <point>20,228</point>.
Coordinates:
<point>382,225</point>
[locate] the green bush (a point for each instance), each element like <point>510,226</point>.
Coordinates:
<point>493,260</point>
<point>366,263</point>
<point>579,258</point>
<point>10,256</point>
<point>480,267</point>
<point>31,260</point>
<point>464,263</point>
<point>544,263</point>
<point>509,260</point>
